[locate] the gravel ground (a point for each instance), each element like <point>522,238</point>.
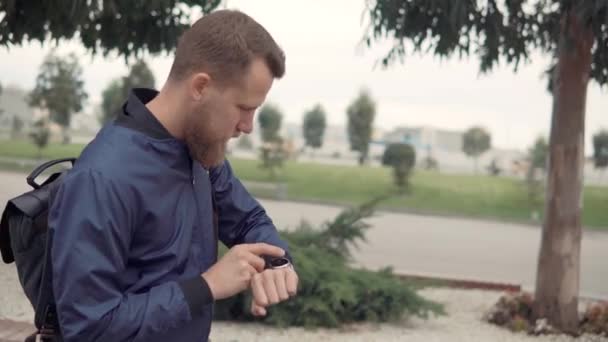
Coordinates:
<point>463,322</point>
<point>13,303</point>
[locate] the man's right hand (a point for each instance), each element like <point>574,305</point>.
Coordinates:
<point>234,271</point>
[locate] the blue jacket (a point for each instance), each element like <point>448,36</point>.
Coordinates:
<point>133,229</point>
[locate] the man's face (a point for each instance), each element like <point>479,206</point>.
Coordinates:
<point>225,113</point>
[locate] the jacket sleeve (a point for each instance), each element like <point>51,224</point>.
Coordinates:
<point>241,218</point>
<point>92,221</point>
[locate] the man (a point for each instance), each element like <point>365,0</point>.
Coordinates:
<point>136,221</point>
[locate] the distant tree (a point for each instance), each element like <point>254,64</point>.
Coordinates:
<point>1,110</point>
<point>476,141</point>
<point>537,154</point>
<point>272,153</point>
<point>140,76</point>
<point>494,169</point>
<point>60,90</point>
<point>361,114</point>
<point>270,119</point>
<point>17,127</point>
<point>273,156</point>
<point>117,91</point>
<point>40,134</point>
<point>101,26</point>
<point>600,149</point>
<point>402,158</point>
<point>537,160</point>
<point>573,34</point>
<point>112,98</point>
<point>313,126</point>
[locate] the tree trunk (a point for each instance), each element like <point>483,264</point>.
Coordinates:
<point>65,135</point>
<point>362,158</point>
<point>557,282</point>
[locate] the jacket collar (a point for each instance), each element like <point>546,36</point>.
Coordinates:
<point>137,116</point>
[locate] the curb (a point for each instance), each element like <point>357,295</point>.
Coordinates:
<point>461,283</point>
<point>475,284</point>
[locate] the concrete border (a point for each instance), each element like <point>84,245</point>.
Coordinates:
<point>476,284</point>
<point>460,282</point>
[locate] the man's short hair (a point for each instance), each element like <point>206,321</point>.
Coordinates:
<point>223,44</point>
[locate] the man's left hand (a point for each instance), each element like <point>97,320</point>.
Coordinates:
<point>272,286</point>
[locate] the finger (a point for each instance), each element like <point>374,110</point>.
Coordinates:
<point>257,288</point>
<point>262,248</point>
<point>255,261</point>
<point>257,310</point>
<point>270,287</point>
<point>247,272</point>
<point>279,281</point>
<point>251,272</point>
<point>291,282</point>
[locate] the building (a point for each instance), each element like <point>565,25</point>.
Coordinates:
<point>445,146</point>
<point>13,105</point>
<point>423,138</point>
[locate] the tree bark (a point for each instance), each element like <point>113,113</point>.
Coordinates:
<point>65,135</point>
<point>557,283</point>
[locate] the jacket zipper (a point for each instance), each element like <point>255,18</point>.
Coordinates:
<point>215,214</point>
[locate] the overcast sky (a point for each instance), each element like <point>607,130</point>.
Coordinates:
<point>326,64</point>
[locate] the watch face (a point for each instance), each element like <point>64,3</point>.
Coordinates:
<point>279,262</point>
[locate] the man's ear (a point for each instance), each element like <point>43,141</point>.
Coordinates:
<point>199,85</point>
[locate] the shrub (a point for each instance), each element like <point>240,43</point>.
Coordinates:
<point>273,156</point>
<point>402,158</point>
<point>494,169</point>
<point>595,319</point>
<point>515,312</point>
<point>330,293</point>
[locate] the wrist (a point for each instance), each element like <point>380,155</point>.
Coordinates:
<point>210,284</point>
<point>197,294</point>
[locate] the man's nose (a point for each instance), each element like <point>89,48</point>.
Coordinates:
<point>246,124</point>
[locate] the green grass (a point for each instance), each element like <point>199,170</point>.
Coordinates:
<point>25,149</point>
<point>15,167</point>
<point>463,195</point>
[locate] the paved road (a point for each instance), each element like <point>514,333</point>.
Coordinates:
<point>460,248</point>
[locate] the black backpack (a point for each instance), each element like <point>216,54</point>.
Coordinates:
<point>24,240</point>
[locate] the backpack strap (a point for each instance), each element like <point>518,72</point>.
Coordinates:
<point>31,179</point>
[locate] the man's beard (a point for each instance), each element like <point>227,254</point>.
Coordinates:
<point>204,145</point>
<point>209,155</point>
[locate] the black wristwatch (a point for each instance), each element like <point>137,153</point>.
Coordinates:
<point>276,263</point>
